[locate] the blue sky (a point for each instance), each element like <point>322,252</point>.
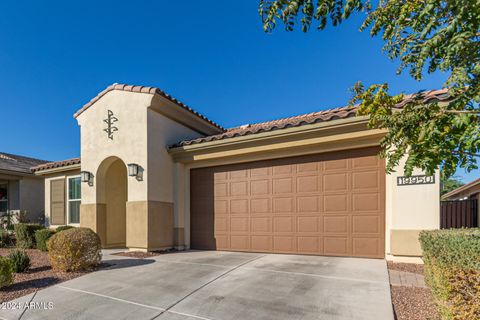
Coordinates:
<point>212,55</point>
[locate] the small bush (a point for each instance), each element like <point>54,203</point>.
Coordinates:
<point>20,260</point>
<point>5,239</point>
<point>6,272</point>
<point>452,270</point>
<point>75,249</point>
<point>63,228</point>
<point>25,234</point>
<point>41,237</point>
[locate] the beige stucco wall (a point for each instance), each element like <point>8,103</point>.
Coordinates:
<point>129,143</point>
<point>31,195</point>
<point>26,193</point>
<point>143,135</point>
<point>410,209</point>
<point>48,178</point>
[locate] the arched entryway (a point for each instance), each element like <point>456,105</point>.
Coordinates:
<point>112,190</point>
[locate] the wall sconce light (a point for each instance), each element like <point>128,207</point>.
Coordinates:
<point>133,169</point>
<point>86,177</point>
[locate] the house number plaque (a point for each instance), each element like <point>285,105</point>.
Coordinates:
<point>413,180</point>
<point>110,121</point>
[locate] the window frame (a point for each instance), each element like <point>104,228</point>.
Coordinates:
<point>7,200</point>
<point>71,200</point>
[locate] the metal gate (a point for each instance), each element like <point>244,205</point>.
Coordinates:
<point>459,214</point>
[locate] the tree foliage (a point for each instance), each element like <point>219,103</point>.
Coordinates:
<point>450,184</point>
<point>425,36</point>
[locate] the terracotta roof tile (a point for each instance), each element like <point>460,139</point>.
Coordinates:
<point>56,164</point>
<point>144,89</point>
<point>310,118</point>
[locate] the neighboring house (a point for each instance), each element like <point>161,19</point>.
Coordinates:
<point>20,189</point>
<point>155,174</point>
<point>470,190</point>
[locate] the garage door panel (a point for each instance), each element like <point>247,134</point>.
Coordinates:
<point>239,206</point>
<point>335,182</point>
<point>221,189</point>
<point>221,206</point>
<point>308,224</point>
<point>336,246</point>
<point>308,183</point>
<point>308,167</point>
<point>366,202</point>
<point>336,224</point>
<point>260,206</point>
<point>335,203</point>
<point>282,169</point>
<point>222,223</point>
<point>239,224</point>
<point>283,185</point>
<point>222,242</point>
<point>325,204</point>
<point>283,205</point>
<point>239,188</point>
<point>260,187</point>
<point>262,243</point>
<point>284,224</point>
<point>308,204</point>
<point>365,180</point>
<point>367,247</point>
<point>366,224</point>
<point>261,224</point>
<point>284,244</point>
<point>309,245</point>
<point>239,242</point>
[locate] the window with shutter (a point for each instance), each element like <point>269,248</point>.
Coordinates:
<point>57,202</point>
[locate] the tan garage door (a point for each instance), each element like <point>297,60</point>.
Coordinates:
<point>326,204</point>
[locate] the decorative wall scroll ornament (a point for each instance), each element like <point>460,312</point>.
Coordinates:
<point>412,180</point>
<point>111,119</point>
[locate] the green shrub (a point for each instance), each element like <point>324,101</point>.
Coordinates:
<point>25,233</point>
<point>41,237</point>
<point>63,228</point>
<point>20,260</point>
<point>6,272</point>
<point>5,239</point>
<point>452,270</point>
<point>74,250</point>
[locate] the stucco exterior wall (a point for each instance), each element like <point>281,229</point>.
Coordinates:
<point>144,132</point>
<point>163,132</point>
<point>410,209</point>
<point>129,143</point>
<point>48,178</point>
<point>31,196</point>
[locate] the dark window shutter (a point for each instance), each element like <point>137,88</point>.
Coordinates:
<point>57,202</point>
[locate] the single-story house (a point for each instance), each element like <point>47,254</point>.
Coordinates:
<point>154,174</point>
<point>470,190</point>
<point>20,189</point>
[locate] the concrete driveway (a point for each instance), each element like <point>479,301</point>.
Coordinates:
<point>218,286</point>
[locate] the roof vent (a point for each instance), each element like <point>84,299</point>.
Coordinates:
<point>245,126</point>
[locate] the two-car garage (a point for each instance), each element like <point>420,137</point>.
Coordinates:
<point>323,204</point>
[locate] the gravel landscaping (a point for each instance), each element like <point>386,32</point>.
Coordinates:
<point>143,254</point>
<point>40,275</point>
<point>409,302</point>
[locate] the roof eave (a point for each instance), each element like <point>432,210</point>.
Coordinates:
<point>71,167</point>
<point>270,135</point>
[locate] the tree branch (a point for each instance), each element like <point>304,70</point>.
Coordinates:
<point>467,153</point>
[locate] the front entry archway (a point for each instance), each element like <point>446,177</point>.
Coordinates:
<point>112,189</point>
